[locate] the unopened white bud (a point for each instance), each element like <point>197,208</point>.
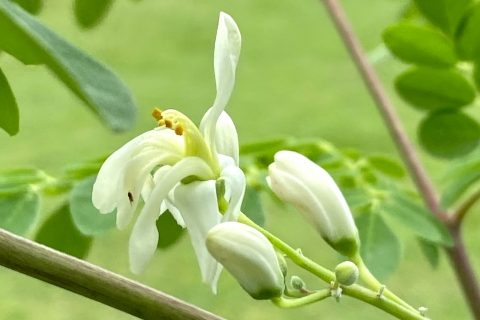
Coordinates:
<point>346,273</point>
<point>311,190</point>
<point>249,257</point>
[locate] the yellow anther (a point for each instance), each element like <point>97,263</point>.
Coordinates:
<point>157,114</point>
<point>179,130</point>
<point>168,123</point>
<point>161,122</point>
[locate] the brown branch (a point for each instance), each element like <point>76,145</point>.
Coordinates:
<point>90,281</point>
<point>457,254</point>
<point>457,217</point>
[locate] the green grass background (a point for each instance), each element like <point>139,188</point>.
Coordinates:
<point>294,77</point>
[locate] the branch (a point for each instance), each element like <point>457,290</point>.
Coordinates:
<point>90,281</point>
<point>457,254</point>
<point>385,107</point>
<point>458,216</point>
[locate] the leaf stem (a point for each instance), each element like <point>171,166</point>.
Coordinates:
<point>95,283</point>
<point>303,301</point>
<point>457,253</point>
<point>462,210</point>
<point>375,285</point>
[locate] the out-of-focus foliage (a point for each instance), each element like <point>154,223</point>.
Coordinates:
<point>31,42</point>
<point>436,84</point>
<point>9,121</point>
<point>89,13</point>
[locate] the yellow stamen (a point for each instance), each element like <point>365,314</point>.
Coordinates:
<point>161,122</point>
<point>179,130</point>
<point>157,114</point>
<point>168,123</point>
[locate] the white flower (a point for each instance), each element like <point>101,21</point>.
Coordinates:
<point>311,190</point>
<point>188,163</point>
<point>249,257</point>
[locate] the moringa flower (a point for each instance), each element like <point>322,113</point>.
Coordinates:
<point>311,190</point>
<point>178,167</point>
<point>249,257</point>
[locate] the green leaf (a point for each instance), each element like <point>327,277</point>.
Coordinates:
<point>414,216</point>
<point>252,206</point>
<point>59,233</point>
<point>420,45</point>
<point>21,176</point>
<point>30,41</point>
<point>457,188</point>
<point>168,230</point>
<point>445,14</point>
<point>32,6</point>
<point>82,170</point>
<point>467,39</point>
<point>86,217</point>
<point>380,248</point>
<point>19,212</point>
<point>433,89</point>
<point>430,251</point>
<point>89,13</point>
<point>10,118</point>
<point>387,166</point>
<point>267,146</point>
<point>449,134</point>
<point>476,74</point>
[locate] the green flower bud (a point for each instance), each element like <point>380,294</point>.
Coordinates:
<point>298,283</point>
<point>249,257</point>
<point>346,273</point>
<point>282,262</point>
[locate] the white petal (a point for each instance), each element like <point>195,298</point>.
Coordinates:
<point>170,202</point>
<point>144,238</point>
<point>235,179</point>
<point>227,52</point>
<point>226,137</point>
<point>104,195</point>
<point>134,178</point>
<point>197,202</point>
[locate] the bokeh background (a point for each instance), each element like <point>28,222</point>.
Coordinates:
<point>294,78</point>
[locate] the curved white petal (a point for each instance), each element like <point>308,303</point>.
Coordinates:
<point>227,52</point>
<point>170,202</point>
<point>104,195</point>
<point>235,179</point>
<point>226,137</point>
<point>197,202</point>
<point>134,178</point>
<point>144,237</point>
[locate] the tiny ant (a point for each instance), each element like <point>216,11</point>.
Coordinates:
<point>130,197</point>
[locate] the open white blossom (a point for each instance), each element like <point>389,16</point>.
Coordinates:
<point>176,166</point>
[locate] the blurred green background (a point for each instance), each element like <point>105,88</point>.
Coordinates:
<point>294,78</point>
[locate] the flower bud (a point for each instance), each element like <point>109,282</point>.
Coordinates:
<point>298,283</point>
<point>311,190</point>
<point>249,257</point>
<point>346,273</point>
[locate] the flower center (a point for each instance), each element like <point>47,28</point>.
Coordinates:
<point>195,144</point>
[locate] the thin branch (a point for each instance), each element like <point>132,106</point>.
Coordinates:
<point>457,254</point>
<point>90,281</point>
<point>462,210</point>
<point>385,107</point>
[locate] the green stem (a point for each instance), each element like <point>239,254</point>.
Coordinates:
<point>297,258</point>
<point>303,301</point>
<point>375,285</point>
<point>384,303</point>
